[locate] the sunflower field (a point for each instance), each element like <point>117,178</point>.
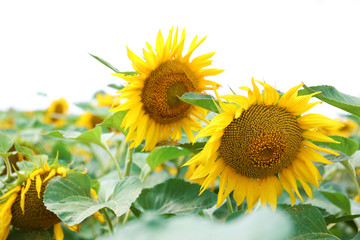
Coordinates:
<point>165,156</point>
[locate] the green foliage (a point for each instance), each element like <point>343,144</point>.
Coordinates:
<point>338,199</point>
<point>332,96</point>
<point>70,198</point>
<point>205,101</point>
<point>163,154</point>
<point>345,145</point>
<point>111,66</point>
<point>114,121</point>
<point>5,143</point>
<point>176,196</point>
<point>308,223</point>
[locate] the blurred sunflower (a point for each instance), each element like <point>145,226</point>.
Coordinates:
<point>155,111</point>
<point>54,114</point>
<point>23,206</point>
<point>260,144</point>
<point>104,100</point>
<point>88,120</point>
<point>8,123</point>
<point>347,128</point>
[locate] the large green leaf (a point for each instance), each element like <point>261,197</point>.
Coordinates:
<point>163,154</point>
<point>176,196</point>
<point>330,95</point>
<point>309,223</point>
<point>338,199</point>
<point>263,224</point>
<point>201,100</point>
<point>69,198</point>
<point>5,143</point>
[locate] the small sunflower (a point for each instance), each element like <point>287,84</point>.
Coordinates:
<point>105,100</point>
<point>155,112</point>
<point>23,206</point>
<point>88,120</point>
<point>54,114</point>
<point>260,144</point>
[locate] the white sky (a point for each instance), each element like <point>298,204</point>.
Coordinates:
<point>44,45</point>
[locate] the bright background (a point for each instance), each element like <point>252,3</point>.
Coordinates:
<point>44,45</point>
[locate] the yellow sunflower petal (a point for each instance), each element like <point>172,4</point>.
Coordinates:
<point>6,216</point>
<point>15,189</point>
<point>313,146</point>
<point>58,232</point>
<point>314,120</point>
<point>316,136</point>
<point>38,184</point>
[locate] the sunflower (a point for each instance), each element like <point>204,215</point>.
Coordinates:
<point>88,120</point>
<point>155,111</point>
<point>104,100</point>
<point>23,206</point>
<point>54,114</point>
<point>347,128</point>
<point>260,144</point>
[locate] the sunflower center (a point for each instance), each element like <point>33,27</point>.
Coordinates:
<point>36,215</point>
<point>59,108</point>
<point>261,142</point>
<point>162,89</point>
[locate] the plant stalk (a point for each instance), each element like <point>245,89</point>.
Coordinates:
<point>351,170</point>
<point>115,162</point>
<point>128,161</point>
<point>230,208</point>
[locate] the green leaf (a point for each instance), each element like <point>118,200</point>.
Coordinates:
<point>114,121</point>
<point>338,199</point>
<point>163,154</point>
<point>334,219</point>
<point>69,198</point>
<point>346,145</point>
<point>176,196</point>
<point>357,236</point>
<point>111,66</point>
<point>330,95</point>
<point>308,222</point>
<point>105,63</point>
<point>24,151</point>
<point>201,100</point>
<point>117,87</point>
<point>193,147</point>
<point>263,224</point>
<point>89,136</point>
<point>5,143</point>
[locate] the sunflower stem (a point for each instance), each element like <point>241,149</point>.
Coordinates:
<point>8,167</point>
<point>108,221</point>
<point>230,208</point>
<point>128,161</point>
<point>351,170</point>
<point>101,165</point>
<point>115,162</point>
<point>126,216</point>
